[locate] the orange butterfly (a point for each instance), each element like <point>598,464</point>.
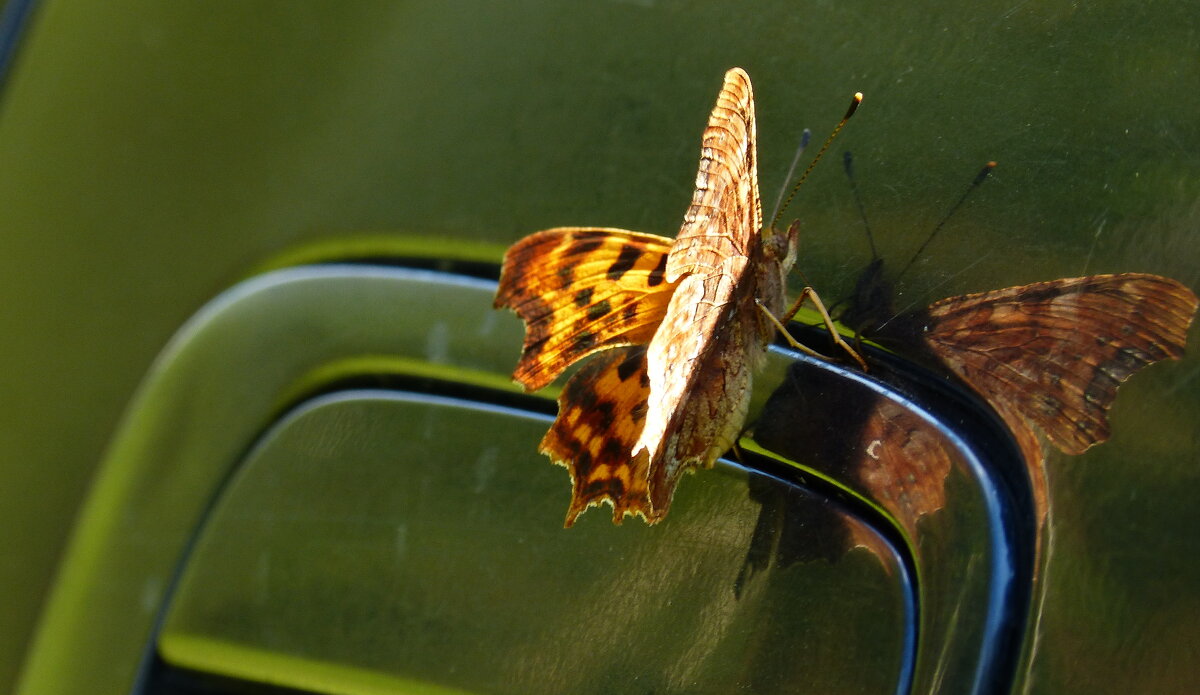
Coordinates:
<point>677,322</point>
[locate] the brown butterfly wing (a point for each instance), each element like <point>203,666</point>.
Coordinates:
<point>903,461</point>
<point>580,290</point>
<point>1032,452</point>
<point>699,360</point>
<point>1053,353</point>
<point>600,414</point>
<point>880,447</point>
<point>725,213</point>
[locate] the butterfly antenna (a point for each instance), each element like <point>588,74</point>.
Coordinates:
<point>848,165</point>
<point>804,138</point>
<point>979,178</point>
<point>829,140</point>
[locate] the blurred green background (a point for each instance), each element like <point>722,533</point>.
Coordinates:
<point>151,154</point>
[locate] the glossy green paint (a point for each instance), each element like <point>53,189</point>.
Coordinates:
<point>151,154</point>
<point>214,389</point>
<point>246,360</point>
<point>376,530</point>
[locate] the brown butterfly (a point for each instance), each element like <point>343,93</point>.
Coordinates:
<point>680,324</point>
<point>1047,357</point>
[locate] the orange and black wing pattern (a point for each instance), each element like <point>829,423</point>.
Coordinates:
<point>600,415</point>
<point>670,389</point>
<point>582,289</point>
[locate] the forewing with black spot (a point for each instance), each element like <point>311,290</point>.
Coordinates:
<point>582,289</point>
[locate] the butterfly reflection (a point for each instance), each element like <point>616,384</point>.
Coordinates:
<point>1047,357</point>
<point>856,436</point>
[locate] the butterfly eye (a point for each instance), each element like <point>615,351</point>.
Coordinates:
<point>790,241</point>
<point>781,245</point>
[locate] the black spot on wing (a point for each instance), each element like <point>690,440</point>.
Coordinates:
<point>603,415</point>
<point>656,276</point>
<point>586,234</point>
<point>585,341</point>
<point>628,367</point>
<point>584,297</point>
<point>613,450</point>
<point>582,396</point>
<point>586,242</point>
<point>566,275</point>
<point>599,310</point>
<point>601,487</point>
<point>625,261</point>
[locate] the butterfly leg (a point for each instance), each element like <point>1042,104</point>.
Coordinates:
<point>810,293</point>
<point>788,336</point>
<point>737,450</point>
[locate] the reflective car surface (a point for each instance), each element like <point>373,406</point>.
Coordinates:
<point>258,425</point>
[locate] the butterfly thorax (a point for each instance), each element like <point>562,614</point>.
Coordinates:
<point>772,263</point>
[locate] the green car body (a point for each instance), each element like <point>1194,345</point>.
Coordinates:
<point>162,163</point>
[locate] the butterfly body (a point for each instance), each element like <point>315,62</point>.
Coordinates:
<point>675,322</point>
<point>705,367</point>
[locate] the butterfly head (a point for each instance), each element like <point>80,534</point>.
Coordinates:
<point>781,246</point>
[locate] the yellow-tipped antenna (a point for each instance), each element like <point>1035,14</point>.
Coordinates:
<point>829,140</point>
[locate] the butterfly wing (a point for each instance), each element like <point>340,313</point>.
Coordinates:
<point>580,290</point>
<point>725,213</point>
<point>696,390</point>
<point>881,448</point>
<point>1032,452</point>
<point>1054,353</point>
<point>600,414</point>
